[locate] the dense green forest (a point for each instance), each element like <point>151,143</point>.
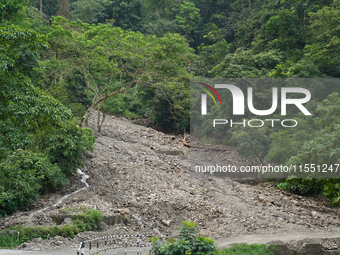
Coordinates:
<point>61,59</point>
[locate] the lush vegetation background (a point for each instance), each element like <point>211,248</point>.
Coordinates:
<point>60,59</point>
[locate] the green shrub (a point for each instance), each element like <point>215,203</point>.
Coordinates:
<point>24,176</point>
<point>330,188</point>
<point>28,233</point>
<point>65,145</point>
<point>69,231</point>
<point>301,186</point>
<point>187,242</point>
<point>88,220</point>
<point>9,241</point>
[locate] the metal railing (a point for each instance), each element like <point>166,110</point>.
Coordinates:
<point>119,243</point>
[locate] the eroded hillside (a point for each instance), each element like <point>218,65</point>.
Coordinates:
<point>140,180</point>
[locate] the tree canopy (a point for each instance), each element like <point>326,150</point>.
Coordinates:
<point>39,142</point>
<point>135,58</point>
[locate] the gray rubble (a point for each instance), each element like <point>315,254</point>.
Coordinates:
<point>142,175</point>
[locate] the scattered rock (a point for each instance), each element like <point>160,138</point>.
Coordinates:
<point>166,222</point>
<point>68,221</point>
<point>126,211</point>
<point>104,226</point>
<point>314,213</point>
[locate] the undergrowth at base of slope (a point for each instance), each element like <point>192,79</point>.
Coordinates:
<point>88,220</point>
<point>245,249</point>
<point>189,243</point>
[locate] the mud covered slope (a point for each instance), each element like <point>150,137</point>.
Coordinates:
<point>141,175</point>
<point>147,172</point>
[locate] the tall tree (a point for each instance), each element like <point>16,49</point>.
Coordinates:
<point>112,61</point>
<point>89,11</point>
<point>9,9</point>
<point>187,18</point>
<point>128,14</point>
<point>47,8</point>
<point>64,9</point>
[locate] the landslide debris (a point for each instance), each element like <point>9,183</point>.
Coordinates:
<point>139,179</point>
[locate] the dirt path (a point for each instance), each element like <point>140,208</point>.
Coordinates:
<point>142,174</point>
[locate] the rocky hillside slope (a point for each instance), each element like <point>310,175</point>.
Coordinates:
<point>139,179</point>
